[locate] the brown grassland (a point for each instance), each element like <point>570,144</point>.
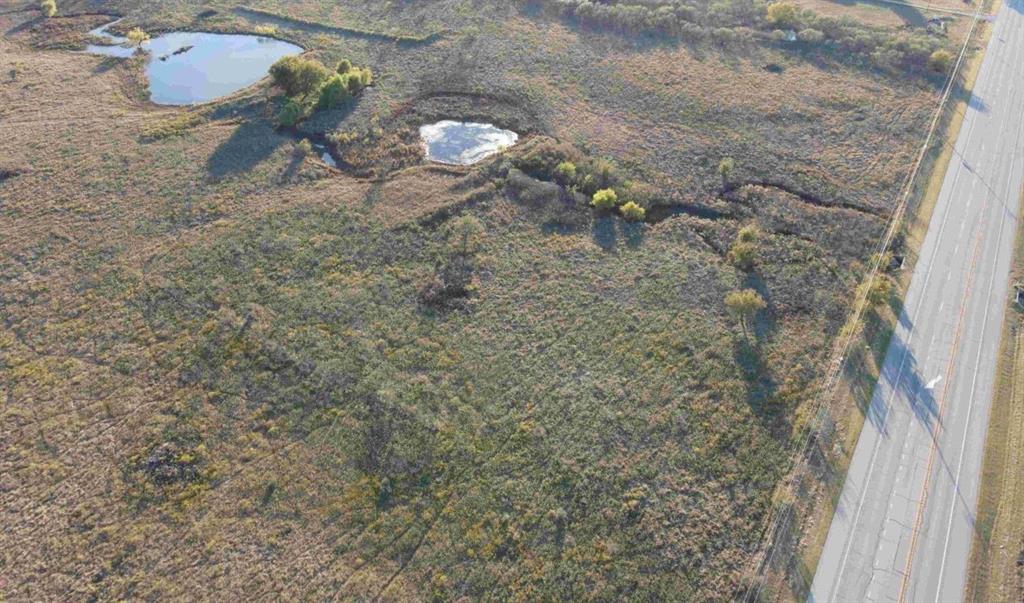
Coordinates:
<point>220,377</point>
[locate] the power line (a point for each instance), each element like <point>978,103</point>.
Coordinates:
<point>839,354</point>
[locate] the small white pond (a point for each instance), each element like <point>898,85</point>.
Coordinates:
<point>186,68</point>
<point>464,143</point>
<point>325,155</point>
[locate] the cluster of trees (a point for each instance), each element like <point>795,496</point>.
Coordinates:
<point>597,178</point>
<point>661,17</point>
<point>608,200</point>
<point>726,20</point>
<point>310,85</point>
<point>905,50</point>
<point>347,81</point>
<point>546,159</point>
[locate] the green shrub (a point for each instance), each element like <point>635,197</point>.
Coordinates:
<point>940,61</point>
<point>632,212</point>
<point>298,76</point>
<point>605,198</point>
<point>465,235</point>
<point>541,156</point>
<point>49,7</point>
<point>725,168</point>
<point>588,184</point>
<point>879,292</point>
<point>810,36</point>
<point>365,76</point>
<point>302,149</point>
<point>290,114</point>
<point>565,173</point>
<point>174,126</point>
<point>748,234</point>
<point>783,14</point>
<point>454,278</point>
<point>352,81</point>
<point>744,305</point>
<point>735,21</point>
<point>605,173</point>
<point>344,66</point>
<point>334,92</point>
<point>743,255</point>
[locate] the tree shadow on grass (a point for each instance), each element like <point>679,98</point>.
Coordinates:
<point>632,233</point>
<point>604,233</point>
<point>292,169</point>
<point>879,335</point>
<point>608,229</point>
<point>761,388</point>
<point>25,25</point>
<point>106,64</point>
<point>328,120</point>
<point>908,14</point>
<point>749,355</point>
<point>764,323</point>
<point>896,305</point>
<point>249,144</point>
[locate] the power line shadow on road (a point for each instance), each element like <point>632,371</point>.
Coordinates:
<point>978,104</point>
<point>901,368</point>
<point>902,373</point>
<point>899,378</point>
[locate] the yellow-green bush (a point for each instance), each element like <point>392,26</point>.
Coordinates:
<point>298,76</point>
<point>632,212</point>
<point>334,92</point>
<point>605,198</point>
<point>137,36</point>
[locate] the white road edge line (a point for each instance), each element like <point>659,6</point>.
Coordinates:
<point>974,380</point>
<point>906,351</point>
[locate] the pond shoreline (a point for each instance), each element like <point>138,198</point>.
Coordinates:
<point>452,142</point>
<point>188,68</point>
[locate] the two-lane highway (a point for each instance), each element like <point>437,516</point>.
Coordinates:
<point>904,524</point>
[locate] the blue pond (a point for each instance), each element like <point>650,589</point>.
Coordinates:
<point>186,68</point>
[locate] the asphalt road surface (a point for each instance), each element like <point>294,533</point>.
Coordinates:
<point>905,521</point>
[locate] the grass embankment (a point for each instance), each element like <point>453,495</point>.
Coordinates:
<point>995,571</point>
<point>282,19</point>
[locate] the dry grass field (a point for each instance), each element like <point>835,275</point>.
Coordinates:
<point>219,376</point>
